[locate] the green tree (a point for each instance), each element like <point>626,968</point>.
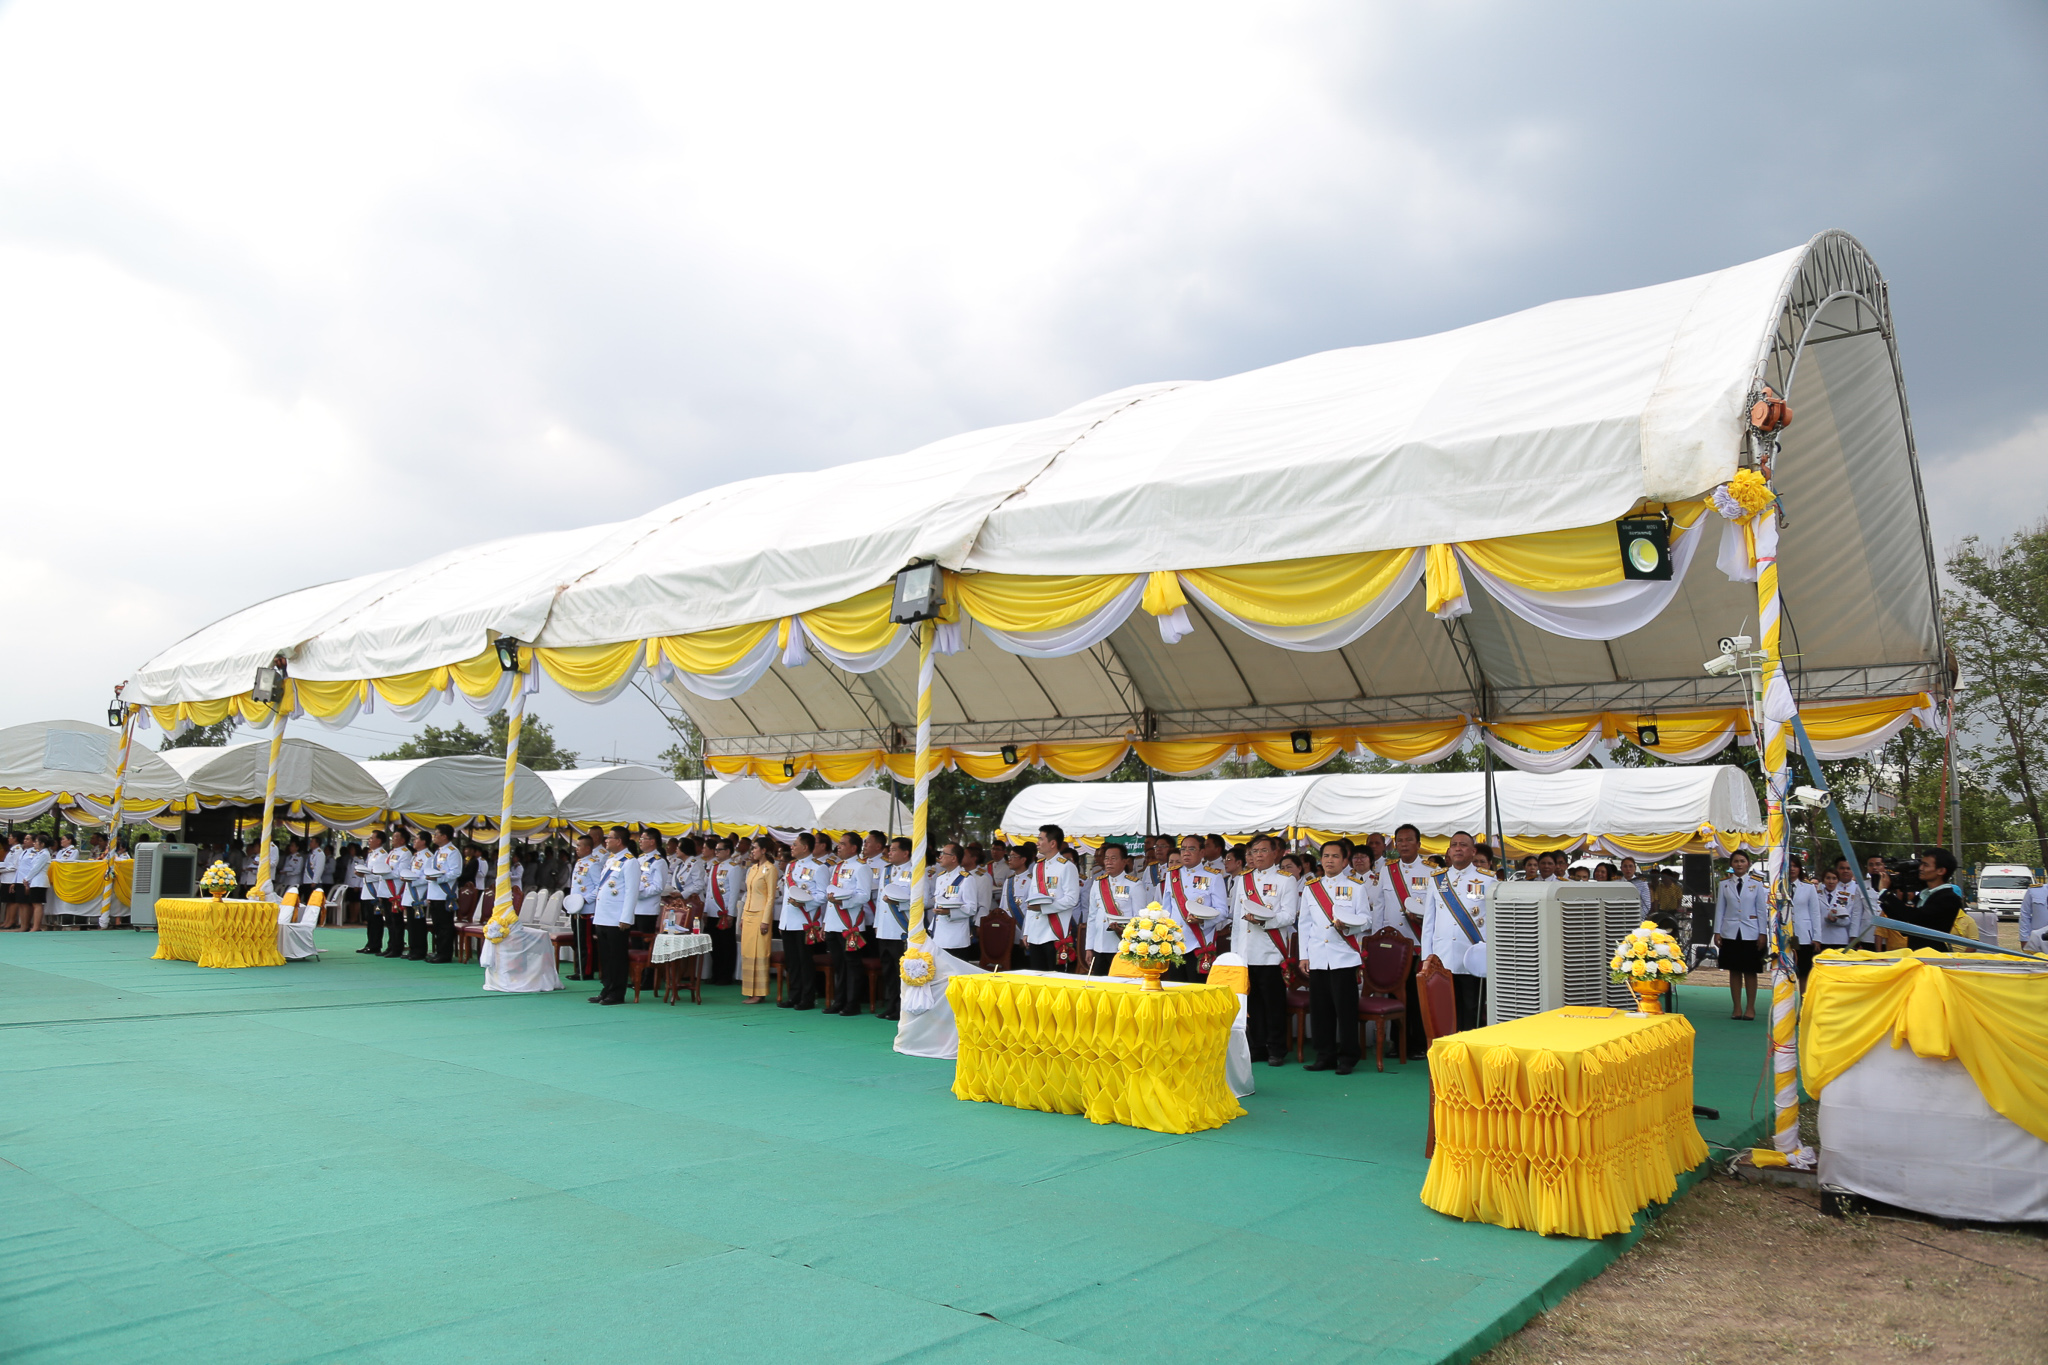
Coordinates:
<point>537,747</point>
<point>214,736</point>
<point>1997,619</point>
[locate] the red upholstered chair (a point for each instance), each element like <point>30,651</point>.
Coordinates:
<point>1439,1006</point>
<point>1383,991</point>
<point>821,966</point>
<point>998,935</point>
<point>1297,1017</point>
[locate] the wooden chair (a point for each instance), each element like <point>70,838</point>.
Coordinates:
<point>471,924</point>
<point>998,934</point>
<point>1438,999</point>
<point>775,964</point>
<point>1383,990</point>
<point>1297,1018</point>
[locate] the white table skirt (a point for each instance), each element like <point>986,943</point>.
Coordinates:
<point>669,947</point>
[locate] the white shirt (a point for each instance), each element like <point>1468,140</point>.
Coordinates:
<point>9,864</point>
<point>1442,936</point>
<point>35,867</point>
<point>959,900</point>
<point>851,889</point>
<point>799,890</point>
<point>1837,916</point>
<point>1741,908</point>
<point>618,890</point>
<point>1272,897</point>
<point>583,879</point>
<point>1127,896</point>
<point>690,876</point>
<point>725,888</point>
<point>654,879</point>
<point>1051,891</point>
<point>294,869</point>
<point>1324,945</point>
<point>1805,911</point>
<point>1196,898</point>
<point>443,866</point>
<point>1415,876</point>
<point>892,918</point>
<point>316,866</point>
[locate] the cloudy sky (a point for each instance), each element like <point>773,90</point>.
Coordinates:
<point>289,293</point>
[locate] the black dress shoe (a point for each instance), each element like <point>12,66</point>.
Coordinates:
<point>804,1007</point>
<point>611,1002</point>
<point>1344,1068</point>
<point>366,950</point>
<point>785,1004</point>
<point>892,1018</point>
<point>1320,1066</point>
<point>1276,1060</point>
<point>597,1000</point>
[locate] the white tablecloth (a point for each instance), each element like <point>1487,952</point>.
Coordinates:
<point>669,947</point>
<point>524,961</point>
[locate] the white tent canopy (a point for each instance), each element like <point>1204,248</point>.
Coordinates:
<point>306,771</point>
<point>1601,802</point>
<point>748,803</point>
<point>623,794</point>
<point>44,761</point>
<point>460,787</point>
<point>1563,416</point>
<point>861,808</point>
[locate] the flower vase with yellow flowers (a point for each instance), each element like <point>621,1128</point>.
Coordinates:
<point>1649,962</point>
<point>1152,943</point>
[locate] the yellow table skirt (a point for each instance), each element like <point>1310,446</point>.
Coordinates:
<point>1113,1051</point>
<point>228,933</point>
<point>1562,1123</point>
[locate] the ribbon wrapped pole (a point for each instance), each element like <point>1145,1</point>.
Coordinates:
<point>1777,712</point>
<point>916,970</point>
<point>263,891</point>
<point>114,815</point>
<point>504,914</point>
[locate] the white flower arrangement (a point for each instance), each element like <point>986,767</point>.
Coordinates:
<point>219,877</point>
<point>1152,939</point>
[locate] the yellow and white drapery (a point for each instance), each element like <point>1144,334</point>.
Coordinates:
<point>1838,729</point>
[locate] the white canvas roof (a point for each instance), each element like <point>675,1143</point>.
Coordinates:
<point>306,771</point>
<point>78,757</point>
<point>1557,417</point>
<point>623,794</point>
<point>748,801</point>
<point>861,808</point>
<point>467,785</point>
<point>1652,801</point>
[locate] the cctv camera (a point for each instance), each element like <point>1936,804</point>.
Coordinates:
<point>1721,665</point>
<point>1738,643</point>
<point>1813,798</point>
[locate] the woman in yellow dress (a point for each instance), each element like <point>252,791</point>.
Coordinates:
<point>757,921</point>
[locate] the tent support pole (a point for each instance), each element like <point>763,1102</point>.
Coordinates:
<point>920,811</point>
<point>504,914</point>
<point>1776,709</point>
<point>114,815</point>
<point>264,853</point>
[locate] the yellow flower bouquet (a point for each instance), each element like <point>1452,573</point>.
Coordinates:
<point>1649,962</point>
<point>218,881</point>
<point>1153,943</point>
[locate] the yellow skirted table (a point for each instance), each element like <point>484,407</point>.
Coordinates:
<point>211,933</point>
<point>1564,1122</point>
<point>1111,1050</point>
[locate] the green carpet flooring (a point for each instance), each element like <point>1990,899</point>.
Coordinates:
<point>362,1160</point>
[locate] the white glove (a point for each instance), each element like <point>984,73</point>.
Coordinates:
<point>1475,960</point>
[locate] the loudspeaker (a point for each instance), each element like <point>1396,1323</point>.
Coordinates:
<point>1698,876</point>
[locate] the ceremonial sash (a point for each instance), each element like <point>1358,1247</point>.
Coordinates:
<point>1456,907</point>
<point>1329,909</point>
<point>1180,896</point>
<point>1401,888</point>
<point>1108,896</point>
<point>845,916</point>
<point>1251,889</point>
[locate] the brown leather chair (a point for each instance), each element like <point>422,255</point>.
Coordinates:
<point>998,936</point>
<point>1383,989</point>
<point>1438,999</point>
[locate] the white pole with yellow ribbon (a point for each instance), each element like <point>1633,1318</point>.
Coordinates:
<point>919,969</point>
<point>280,709</point>
<point>504,913</point>
<point>114,815</point>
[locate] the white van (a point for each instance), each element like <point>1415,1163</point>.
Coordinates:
<point>2000,885</point>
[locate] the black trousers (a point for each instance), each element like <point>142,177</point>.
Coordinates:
<point>416,933</point>
<point>1470,994</point>
<point>611,961</point>
<point>646,924</point>
<point>373,926</point>
<point>889,981</point>
<point>1804,954</point>
<point>1044,957</point>
<point>847,974</point>
<point>1265,1024</point>
<point>586,949</point>
<point>1100,967</point>
<point>798,978</point>
<point>725,951</point>
<point>1333,1014</point>
<point>442,913</point>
